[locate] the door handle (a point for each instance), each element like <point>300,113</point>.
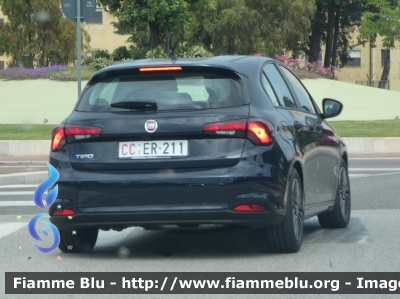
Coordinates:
<point>298,126</point>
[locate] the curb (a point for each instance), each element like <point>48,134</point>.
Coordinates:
<point>373,145</point>
<point>354,146</point>
<point>23,178</point>
<point>24,147</point>
<point>41,147</point>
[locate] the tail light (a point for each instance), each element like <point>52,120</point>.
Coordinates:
<point>228,128</point>
<point>257,131</point>
<point>58,139</point>
<point>250,208</point>
<point>62,136</point>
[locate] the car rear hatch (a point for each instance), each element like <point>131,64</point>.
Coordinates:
<point>158,118</point>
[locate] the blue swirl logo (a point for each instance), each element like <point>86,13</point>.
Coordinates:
<point>44,203</point>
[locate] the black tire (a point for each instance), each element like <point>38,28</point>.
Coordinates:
<point>288,236</point>
<point>81,240</point>
<point>167,245</point>
<point>340,216</point>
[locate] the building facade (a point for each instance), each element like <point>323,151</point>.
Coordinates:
<point>102,32</point>
<point>370,65</point>
<point>373,65</point>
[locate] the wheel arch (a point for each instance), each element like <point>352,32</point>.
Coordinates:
<point>299,169</point>
<point>345,158</point>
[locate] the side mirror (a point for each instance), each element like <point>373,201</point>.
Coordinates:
<point>331,108</point>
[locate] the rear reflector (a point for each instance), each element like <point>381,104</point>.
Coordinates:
<point>160,69</point>
<point>64,212</point>
<point>258,131</point>
<point>250,208</point>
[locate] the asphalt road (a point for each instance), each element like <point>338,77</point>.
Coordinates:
<point>371,242</point>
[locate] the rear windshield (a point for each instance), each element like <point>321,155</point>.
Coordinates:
<point>172,91</point>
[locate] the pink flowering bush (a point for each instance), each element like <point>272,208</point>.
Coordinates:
<point>303,68</point>
<point>290,62</point>
<point>316,67</point>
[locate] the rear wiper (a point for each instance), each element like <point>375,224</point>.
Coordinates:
<point>137,105</point>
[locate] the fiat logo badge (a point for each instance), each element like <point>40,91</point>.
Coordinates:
<point>150,126</point>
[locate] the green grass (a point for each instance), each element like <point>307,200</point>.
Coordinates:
<point>26,132</point>
<point>378,128</point>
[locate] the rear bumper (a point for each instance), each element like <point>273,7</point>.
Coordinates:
<point>124,220</point>
<point>189,196</point>
<point>107,205</point>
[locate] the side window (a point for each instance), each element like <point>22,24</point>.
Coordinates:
<point>300,91</point>
<point>282,92</point>
<point>268,89</point>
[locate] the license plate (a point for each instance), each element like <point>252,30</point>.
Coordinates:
<point>153,149</point>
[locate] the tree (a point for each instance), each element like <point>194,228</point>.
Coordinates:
<point>334,23</point>
<point>222,26</point>
<point>233,27</point>
<point>36,31</point>
<point>382,18</point>
<point>251,26</point>
<point>313,48</point>
<point>163,17</point>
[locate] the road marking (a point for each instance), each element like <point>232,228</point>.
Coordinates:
<point>360,175</point>
<point>374,169</point>
<point>353,175</point>
<point>18,186</point>
<point>10,227</point>
<point>23,173</point>
<point>17,203</point>
<point>22,166</point>
<point>4,193</point>
<point>398,158</point>
<point>23,162</point>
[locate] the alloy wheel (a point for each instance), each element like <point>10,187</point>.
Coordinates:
<point>344,193</point>
<point>297,209</point>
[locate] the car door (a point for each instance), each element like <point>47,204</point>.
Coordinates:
<point>302,125</point>
<point>328,149</point>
